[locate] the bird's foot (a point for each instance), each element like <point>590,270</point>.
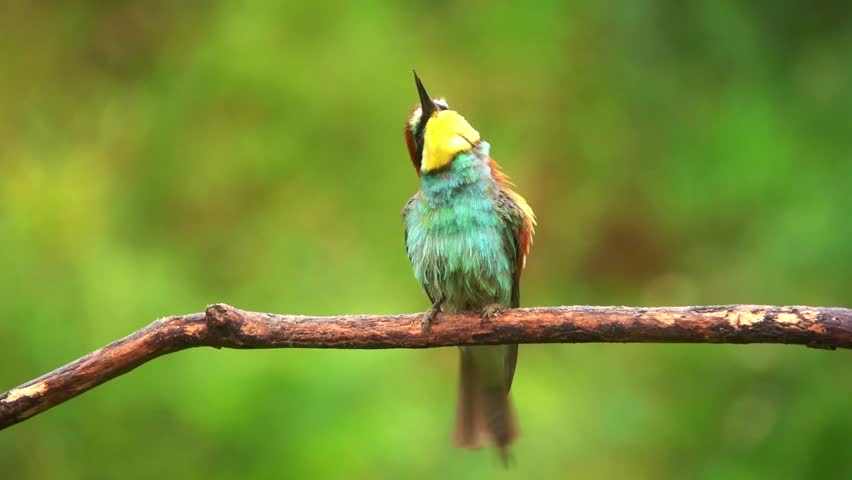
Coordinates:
<point>429,317</point>
<point>489,313</point>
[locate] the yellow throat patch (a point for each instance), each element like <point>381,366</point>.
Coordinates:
<point>447,134</point>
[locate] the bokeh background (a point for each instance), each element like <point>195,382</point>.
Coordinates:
<point>159,156</point>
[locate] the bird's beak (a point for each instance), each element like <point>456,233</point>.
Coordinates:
<point>426,104</point>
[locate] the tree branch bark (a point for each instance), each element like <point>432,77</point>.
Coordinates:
<point>223,326</point>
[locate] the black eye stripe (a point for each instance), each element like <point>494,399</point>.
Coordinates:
<point>420,129</point>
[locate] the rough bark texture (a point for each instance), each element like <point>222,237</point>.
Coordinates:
<point>223,326</point>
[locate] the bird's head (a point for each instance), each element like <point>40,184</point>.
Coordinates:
<point>435,134</point>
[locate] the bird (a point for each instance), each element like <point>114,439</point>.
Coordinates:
<point>467,235</point>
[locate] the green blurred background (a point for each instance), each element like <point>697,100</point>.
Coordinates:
<point>159,156</point>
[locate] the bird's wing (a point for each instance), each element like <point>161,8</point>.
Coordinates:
<point>519,222</point>
<point>406,211</point>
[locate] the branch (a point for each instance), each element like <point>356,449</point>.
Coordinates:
<point>223,326</point>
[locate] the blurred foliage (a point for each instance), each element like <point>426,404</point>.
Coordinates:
<point>159,156</point>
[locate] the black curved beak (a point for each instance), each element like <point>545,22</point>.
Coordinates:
<point>426,103</point>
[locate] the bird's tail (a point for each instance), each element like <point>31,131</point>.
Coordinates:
<point>484,409</point>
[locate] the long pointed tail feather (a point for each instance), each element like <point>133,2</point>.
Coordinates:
<point>484,409</point>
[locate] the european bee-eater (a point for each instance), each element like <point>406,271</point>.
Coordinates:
<point>467,235</point>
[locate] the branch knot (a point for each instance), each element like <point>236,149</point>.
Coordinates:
<point>223,324</point>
